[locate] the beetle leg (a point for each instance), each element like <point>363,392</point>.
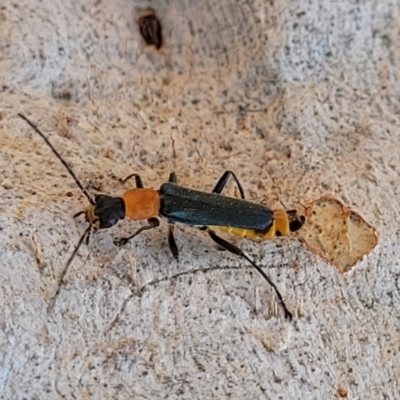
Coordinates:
<point>224,180</point>
<point>138,180</point>
<point>153,223</point>
<point>239,252</point>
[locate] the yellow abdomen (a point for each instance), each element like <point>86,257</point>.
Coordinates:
<point>280,227</point>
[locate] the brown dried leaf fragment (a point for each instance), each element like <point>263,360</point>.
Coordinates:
<point>339,235</point>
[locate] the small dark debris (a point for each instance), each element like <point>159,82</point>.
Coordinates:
<point>150,29</point>
<point>342,392</point>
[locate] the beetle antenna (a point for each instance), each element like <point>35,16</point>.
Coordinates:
<point>84,191</point>
<point>84,236</point>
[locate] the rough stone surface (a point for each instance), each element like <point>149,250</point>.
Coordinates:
<point>300,99</point>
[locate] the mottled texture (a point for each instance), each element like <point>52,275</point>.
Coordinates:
<point>300,99</point>
<point>337,234</point>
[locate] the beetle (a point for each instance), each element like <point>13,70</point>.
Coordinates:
<point>177,204</point>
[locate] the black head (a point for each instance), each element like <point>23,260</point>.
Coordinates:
<point>106,212</point>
